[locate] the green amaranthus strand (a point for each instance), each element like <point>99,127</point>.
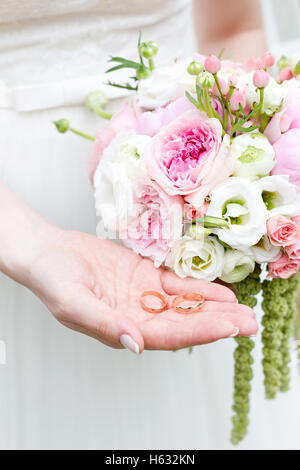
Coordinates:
<point>246,292</point>
<point>287,330</point>
<point>277,322</point>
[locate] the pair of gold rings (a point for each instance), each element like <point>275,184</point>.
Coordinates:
<point>175,303</point>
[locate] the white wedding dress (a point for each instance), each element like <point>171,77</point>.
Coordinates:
<point>60,389</point>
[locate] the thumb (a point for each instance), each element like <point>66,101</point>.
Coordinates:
<point>113,328</point>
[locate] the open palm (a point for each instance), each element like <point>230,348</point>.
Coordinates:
<point>94,286</point>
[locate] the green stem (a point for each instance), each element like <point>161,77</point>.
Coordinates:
<point>103,114</point>
<point>211,112</point>
<point>151,65</point>
<point>82,134</point>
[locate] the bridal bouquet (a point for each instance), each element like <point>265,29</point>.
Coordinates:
<point>200,172</point>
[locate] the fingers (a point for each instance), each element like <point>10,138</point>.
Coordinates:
<point>92,316</point>
<point>173,285</point>
<point>174,331</point>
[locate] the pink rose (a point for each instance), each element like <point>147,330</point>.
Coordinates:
<point>158,222</point>
<point>282,231</point>
<point>293,251</point>
<point>283,268</point>
<point>123,121</point>
<point>188,156</point>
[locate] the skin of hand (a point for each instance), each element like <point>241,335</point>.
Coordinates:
<point>236,26</point>
<point>94,286</point>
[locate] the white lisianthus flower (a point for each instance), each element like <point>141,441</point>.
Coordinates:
<point>239,202</point>
<point>237,265</point>
<point>280,196</point>
<point>165,84</point>
<point>201,259</point>
<point>120,164</point>
<point>253,156</point>
<point>274,96</point>
<point>265,252</point>
<point>294,60</point>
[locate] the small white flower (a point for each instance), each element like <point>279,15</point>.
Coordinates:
<point>120,164</point>
<point>253,156</point>
<point>165,84</point>
<point>265,252</point>
<point>240,202</point>
<point>275,94</point>
<point>237,265</point>
<point>281,197</point>
<point>201,259</point>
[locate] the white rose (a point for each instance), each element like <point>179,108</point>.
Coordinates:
<point>240,202</point>
<point>265,252</point>
<point>281,197</point>
<point>120,164</point>
<point>253,156</point>
<point>201,259</point>
<point>274,96</point>
<point>237,265</point>
<point>165,84</point>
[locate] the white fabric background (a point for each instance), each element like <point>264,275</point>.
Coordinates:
<point>60,389</point>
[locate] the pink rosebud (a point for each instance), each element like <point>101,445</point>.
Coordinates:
<point>286,74</point>
<point>255,63</point>
<point>268,59</point>
<point>261,79</point>
<point>283,268</point>
<point>238,97</point>
<point>282,231</point>
<point>293,251</point>
<point>285,122</point>
<point>233,80</point>
<point>212,64</point>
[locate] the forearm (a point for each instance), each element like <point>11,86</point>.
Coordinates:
<point>23,232</point>
<point>235,26</point>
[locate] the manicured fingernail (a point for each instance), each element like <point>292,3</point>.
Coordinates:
<point>235,333</point>
<point>129,344</point>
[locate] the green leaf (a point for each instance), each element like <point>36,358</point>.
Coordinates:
<point>130,64</point>
<point>192,100</point>
<point>127,86</point>
<point>112,69</point>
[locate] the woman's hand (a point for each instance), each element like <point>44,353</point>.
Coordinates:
<point>94,286</point>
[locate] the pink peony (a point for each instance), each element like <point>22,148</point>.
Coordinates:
<point>283,268</point>
<point>282,231</point>
<point>283,132</point>
<point>158,222</point>
<point>123,121</point>
<point>188,156</point>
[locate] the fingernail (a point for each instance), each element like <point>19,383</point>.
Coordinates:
<point>129,344</point>
<point>235,333</point>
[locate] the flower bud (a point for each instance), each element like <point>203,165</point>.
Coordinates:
<point>142,72</point>
<point>261,79</point>
<point>212,64</point>
<point>195,67</point>
<point>282,62</point>
<point>62,125</point>
<point>96,100</point>
<point>297,69</point>
<point>148,49</point>
<point>268,59</point>
<point>286,74</point>
<point>205,80</point>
